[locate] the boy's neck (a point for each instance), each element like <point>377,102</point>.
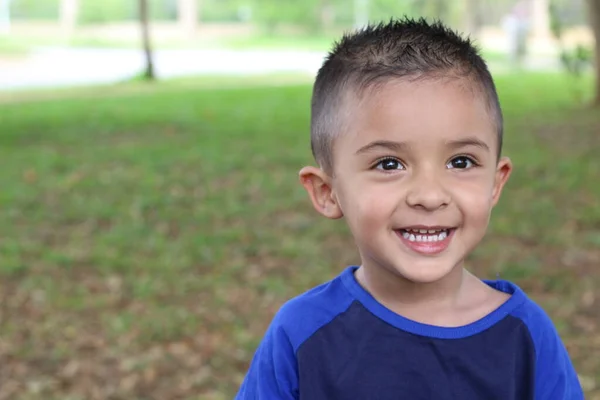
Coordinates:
<point>458,299</point>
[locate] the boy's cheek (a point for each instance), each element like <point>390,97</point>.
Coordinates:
<point>376,199</point>
<point>372,211</point>
<point>475,202</point>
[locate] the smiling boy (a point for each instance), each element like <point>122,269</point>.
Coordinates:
<point>407,131</point>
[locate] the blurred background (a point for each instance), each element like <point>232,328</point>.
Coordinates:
<point>151,221</point>
<point>71,42</point>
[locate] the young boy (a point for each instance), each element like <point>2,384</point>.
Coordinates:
<point>407,131</point>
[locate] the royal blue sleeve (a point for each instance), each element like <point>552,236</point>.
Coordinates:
<point>273,371</point>
<point>555,377</point>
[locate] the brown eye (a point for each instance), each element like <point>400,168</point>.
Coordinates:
<point>461,162</point>
<point>389,164</point>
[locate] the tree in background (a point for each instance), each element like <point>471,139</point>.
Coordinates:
<point>4,17</point>
<point>188,15</point>
<point>145,25</point>
<point>575,59</point>
<point>594,15</point>
<point>69,10</point>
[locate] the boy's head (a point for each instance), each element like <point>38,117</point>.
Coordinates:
<point>407,130</point>
<point>409,50</point>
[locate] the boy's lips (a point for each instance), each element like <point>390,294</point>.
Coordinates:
<point>426,239</point>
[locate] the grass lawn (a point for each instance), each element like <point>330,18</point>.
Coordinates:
<point>13,48</point>
<point>149,235</point>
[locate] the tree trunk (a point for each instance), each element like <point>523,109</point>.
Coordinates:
<point>187,15</point>
<point>69,10</point>
<point>145,25</point>
<point>594,12</point>
<point>541,18</point>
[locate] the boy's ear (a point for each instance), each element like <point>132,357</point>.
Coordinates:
<point>503,171</point>
<point>318,185</point>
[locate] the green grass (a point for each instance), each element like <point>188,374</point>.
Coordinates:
<point>150,232</point>
<point>13,48</point>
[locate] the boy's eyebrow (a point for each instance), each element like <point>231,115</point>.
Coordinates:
<point>469,141</point>
<point>386,144</point>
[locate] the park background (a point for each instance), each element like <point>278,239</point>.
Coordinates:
<point>151,221</point>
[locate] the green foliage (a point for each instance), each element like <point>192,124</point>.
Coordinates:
<point>556,25</point>
<point>569,13</point>
<point>274,13</point>
<point>93,11</point>
<point>379,10</point>
<point>432,8</point>
<point>35,9</point>
<point>575,60</point>
<point>224,10</point>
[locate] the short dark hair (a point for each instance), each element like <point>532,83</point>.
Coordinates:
<point>376,54</point>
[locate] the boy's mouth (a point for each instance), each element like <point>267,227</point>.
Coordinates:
<point>426,240</point>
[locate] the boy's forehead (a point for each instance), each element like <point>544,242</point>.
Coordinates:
<point>409,93</point>
<point>442,109</point>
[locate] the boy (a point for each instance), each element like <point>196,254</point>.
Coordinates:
<point>407,131</point>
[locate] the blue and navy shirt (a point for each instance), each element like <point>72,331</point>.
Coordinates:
<point>336,342</point>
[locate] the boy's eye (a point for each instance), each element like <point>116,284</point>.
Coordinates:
<point>461,162</point>
<point>389,164</point>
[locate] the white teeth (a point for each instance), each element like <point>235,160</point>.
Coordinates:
<point>431,231</point>
<point>422,230</point>
<point>425,238</point>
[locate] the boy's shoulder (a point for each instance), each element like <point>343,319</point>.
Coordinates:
<point>541,329</point>
<point>556,377</point>
<point>303,315</point>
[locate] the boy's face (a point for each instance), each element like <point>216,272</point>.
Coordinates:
<point>416,177</point>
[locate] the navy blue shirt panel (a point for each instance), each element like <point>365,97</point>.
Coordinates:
<point>382,362</point>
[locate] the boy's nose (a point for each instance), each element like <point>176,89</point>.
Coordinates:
<point>427,192</point>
